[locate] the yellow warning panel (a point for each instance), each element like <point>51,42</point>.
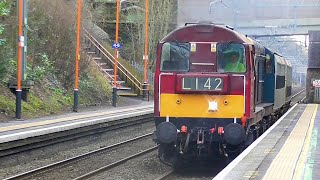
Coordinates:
<point>201,106</point>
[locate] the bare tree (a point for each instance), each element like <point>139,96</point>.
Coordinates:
<point>58,31</point>
<point>160,18</point>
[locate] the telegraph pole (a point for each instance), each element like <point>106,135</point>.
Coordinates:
<point>145,56</point>
<point>114,93</point>
<point>19,64</point>
<point>76,85</point>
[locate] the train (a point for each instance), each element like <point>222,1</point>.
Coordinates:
<point>215,91</point>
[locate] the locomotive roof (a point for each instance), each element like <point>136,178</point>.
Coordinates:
<point>206,33</point>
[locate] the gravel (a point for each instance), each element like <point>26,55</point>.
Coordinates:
<point>26,161</point>
<point>75,169</point>
<point>201,171</point>
<point>147,166</point>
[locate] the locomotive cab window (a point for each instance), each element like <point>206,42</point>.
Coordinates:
<point>231,58</point>
<point>175,56</point>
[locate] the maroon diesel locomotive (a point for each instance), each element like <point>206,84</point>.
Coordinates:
<point>215,91</point>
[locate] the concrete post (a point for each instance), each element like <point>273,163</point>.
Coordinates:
<point>313,71</point>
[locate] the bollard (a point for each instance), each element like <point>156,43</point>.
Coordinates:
<point>145,90</point>
<point>114,96</point>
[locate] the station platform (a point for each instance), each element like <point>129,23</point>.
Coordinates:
<point>290,149</point>
<point>23,129</point>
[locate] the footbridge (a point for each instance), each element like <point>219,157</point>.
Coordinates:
<point>255,18</point>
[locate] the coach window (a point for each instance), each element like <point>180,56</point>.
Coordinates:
<point>231,58</point>
<point>175,57</point>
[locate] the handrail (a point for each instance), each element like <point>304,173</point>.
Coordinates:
<point>107,54</point>
<point>113,63</point>
<point>101,69</point>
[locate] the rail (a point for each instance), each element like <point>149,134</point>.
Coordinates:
<point>129,76</point>
<point>115,164</point>
<point>53,166</point>
<point>293,96</point>
<point>166,175</point>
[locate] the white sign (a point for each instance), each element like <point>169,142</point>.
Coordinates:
<point>316,83</point>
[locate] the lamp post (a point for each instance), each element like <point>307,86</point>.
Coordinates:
<point>114,92</point>
<point>145,56</point>
<point>19,64</point>
<point>76,84</point>
<point>24,32</point>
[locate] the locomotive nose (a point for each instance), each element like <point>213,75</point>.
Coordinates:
<point>234,134</point>
<point>166,132</point>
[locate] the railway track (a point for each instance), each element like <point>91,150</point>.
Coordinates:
<point>166,175</point>
<point>58,167</point>
<point>296,98</point>
<point>115,164</point>
<point>81,161</point>
<point>16,147</point>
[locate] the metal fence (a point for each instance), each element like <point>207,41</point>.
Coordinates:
<point>140,68</point>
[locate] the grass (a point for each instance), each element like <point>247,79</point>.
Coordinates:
<point>45,99</point>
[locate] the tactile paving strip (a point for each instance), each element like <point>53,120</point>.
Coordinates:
<point>285,162</point>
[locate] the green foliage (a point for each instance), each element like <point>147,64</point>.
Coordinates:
<point>4,8</point>
<point>61,95</point>
<point>4,11</point>
<point>50,61</point>
<point>41,101</point>
<point>94,88</point>
<point>38,71</point>
<point>2,42</point>
<point>1,28</point>
<point>7,104</point>
<point>53,34</point>
<point>5,49</point>
<point>87,88</point>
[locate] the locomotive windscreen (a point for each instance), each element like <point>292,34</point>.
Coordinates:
<point>231,58</point>
<point>175,56</point>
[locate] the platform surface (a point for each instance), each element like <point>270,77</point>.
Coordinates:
<point>290,149</point>
<point>21,129</point>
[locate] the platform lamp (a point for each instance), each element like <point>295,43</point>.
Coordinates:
<point>19,63</point>
<point>145,56</point>
<point>114,89</point>
<point>76,83</point>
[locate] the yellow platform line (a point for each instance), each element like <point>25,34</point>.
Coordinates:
<point>298,172</point>
<point>282,167</point>
<point>46,122</point>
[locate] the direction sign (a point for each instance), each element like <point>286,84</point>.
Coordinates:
<point>116,46</point>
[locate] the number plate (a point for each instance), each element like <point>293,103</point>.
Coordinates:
<point>202,84</point>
